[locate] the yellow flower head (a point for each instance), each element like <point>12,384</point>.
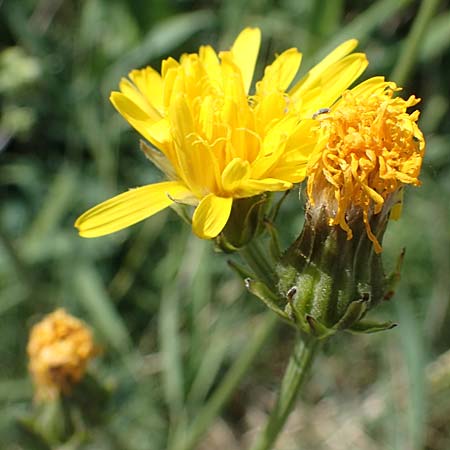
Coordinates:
<point>371,147</point>
<point>214,141</point>
<point>59,348</point>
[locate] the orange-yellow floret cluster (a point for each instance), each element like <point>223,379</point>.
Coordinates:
<point>59,348</point>
<point>371,147</point>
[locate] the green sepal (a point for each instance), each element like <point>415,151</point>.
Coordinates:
<point>244,224</point>
<point>261,291</point>
<point>296,318</point>
<point>393,278</point>
<point>319,330</point>
<point>181,212</point>
<point>274,245</point>
<point>49,423</point>
<point>158,159</point>
<point>29,437</point>
<point>276,209</point>
<point>353,314</point>
<point>370,326</point>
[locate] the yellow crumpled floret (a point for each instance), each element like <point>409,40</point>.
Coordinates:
<point>371,147</point>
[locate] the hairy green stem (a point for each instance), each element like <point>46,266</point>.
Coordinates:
<point>299,363</point>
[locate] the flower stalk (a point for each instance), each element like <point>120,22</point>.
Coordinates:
<point>299,364</point>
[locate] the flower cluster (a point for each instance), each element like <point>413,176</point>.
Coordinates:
<point>214,141</point>
<point>59,348</point>
<point>222,148</point>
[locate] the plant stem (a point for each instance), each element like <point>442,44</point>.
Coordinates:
<point>299,363</point>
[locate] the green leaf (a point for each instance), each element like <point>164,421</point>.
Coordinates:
<point>369,326</point>
<point>353,313</point>
<point>261,291</point>
<point>319,330</point>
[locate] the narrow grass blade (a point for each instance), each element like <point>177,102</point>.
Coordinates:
<point>92,294</point>
<point>408,55</point>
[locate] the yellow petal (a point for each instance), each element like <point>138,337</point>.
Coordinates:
<point>154,129</point>
<point>312,78</point>
<point>269,109</point>
<point>210,61</point>
<point>273,147</point>
<point>250,188</point>
<point>128,208</point>
<point>234,173</point>
<point>335,55</point>
<point>370,86</point>
<point>233,88</point>
<point>245,52</point>
<point>298,151</point>
<point>294,173</point>
<point>130,109</point>
<point>129,90</point>
<point>211,216</point>
<point>158,132</point>
<point>169,70</point>
<point>195,162</point>
<point>150,83</point>
<point>336,79</point>
<point>167,65</point>
<point>279,75</point>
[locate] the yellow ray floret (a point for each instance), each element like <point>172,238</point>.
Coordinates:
<point>215,141</point>
<point>372,147</point>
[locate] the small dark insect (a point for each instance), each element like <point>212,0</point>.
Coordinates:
<point>321,111</point>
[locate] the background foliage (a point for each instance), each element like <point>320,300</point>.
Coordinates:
<point>169,315</point>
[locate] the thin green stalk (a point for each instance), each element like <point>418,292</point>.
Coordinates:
<point>299,364</point>
<point>409,52</point>
<point>229,383</point>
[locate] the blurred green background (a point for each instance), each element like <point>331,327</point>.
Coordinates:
<point>170,316</point>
